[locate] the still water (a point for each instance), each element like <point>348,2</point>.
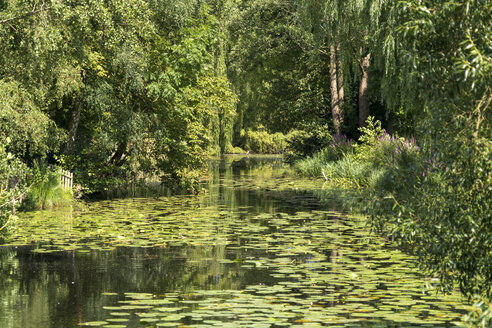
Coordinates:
<point>256,248</point>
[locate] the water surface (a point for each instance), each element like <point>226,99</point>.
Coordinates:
<point>255,249</point>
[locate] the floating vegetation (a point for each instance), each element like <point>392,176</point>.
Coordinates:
<point>235,256</point>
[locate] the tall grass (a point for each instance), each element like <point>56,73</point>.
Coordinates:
<point>46,192</point>
<point>370,163</point>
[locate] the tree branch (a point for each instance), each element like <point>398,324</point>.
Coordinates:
<point>32,12</point>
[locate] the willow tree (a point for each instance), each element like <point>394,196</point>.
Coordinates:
<point>345,30</point>
<point>321,18</point>
<point>113,89</point>
<point>274,68</point>
<point>439,68</point>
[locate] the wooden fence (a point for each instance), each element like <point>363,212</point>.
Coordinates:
<point>66,179</point>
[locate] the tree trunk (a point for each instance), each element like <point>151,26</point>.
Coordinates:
<point>341,95</point>
<point>74,124</point>
<point>222,137</point>
<point>335,102</point>
<point>363,88</point>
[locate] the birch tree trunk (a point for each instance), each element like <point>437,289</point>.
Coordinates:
<point>335,101</point>
<point>74,124</point>
<point>341,95</point>
<point>363,90</point>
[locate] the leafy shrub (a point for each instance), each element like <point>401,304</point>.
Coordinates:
<point>234,150</point>
<point>382,149</point>
<point>96,175</point>
<point>304,143</point>
<point>339,147</point>
<point>183,181</point>
<point>262,142</point>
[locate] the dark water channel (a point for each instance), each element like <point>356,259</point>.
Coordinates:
<point>255,249</point>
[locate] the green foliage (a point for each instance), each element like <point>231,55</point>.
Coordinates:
<point>197,106</point>
<point>235,150</point>
<point>46,191</point>
<point>280,78</point>
<point>31,133</point>
<point>346,172</point>
<point>371,133</point>
<point>123,90</point>
<point>366,164</point>
<point>446,212</point>
<point>306,142</point>
<point>383,150</point>
<point>340,146</point>
<point>436,201</point>
<point>133,84</point>
<point>13,173</point>
<point>262,142</point>
<point>440,69</point>
<point>479,316</point>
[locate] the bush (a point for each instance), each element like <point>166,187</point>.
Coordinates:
<point>305,143</point>
<point>183,181</point>
<point>340,146</point>
<point>446,217</point>
<point>234,150</point>
<point>262,142</point>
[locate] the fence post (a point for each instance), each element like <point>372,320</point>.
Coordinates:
<point>66,179</point>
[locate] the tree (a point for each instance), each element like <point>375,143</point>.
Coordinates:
<point>346,30</point>
<point>274,70</point>
<point>439,69</point>
<point>85,76</point>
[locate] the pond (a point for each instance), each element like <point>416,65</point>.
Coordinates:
<point>256,248</point>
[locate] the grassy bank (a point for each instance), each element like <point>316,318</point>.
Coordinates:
<point>46,191</point>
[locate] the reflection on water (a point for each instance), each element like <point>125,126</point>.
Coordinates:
<point>256,248</point>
